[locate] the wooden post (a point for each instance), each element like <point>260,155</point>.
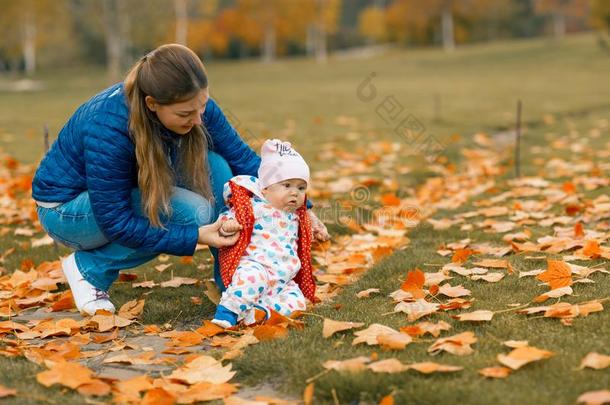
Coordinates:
<point>518,141</point>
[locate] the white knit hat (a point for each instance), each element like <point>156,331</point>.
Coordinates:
<point>279,162</point>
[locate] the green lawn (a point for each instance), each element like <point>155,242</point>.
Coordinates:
<point>315,106</point>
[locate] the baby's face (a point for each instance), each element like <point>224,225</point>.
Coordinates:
<point>286,195</point>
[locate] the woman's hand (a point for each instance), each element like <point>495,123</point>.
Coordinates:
<point>211,235</point>
<point>319,229</point>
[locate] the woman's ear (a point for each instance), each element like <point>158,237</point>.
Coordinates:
<point>150,103</point>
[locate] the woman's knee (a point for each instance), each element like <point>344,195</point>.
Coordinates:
<point>190,208</point>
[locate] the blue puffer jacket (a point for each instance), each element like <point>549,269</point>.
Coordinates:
<point>94,153</point>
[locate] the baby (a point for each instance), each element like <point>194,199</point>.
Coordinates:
<point>269,268</point>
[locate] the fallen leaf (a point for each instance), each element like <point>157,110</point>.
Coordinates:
<point>387,366</point>
<point>557,275</point>
<point>270,332</point>
<point>331,327</point>
<point>453,292</point>
<point>556,293</point>
<point>71,375</point>
<point>367,293</point>
<point>495,372</point>
<point>457,344</point>
<point>158,396</point>
<point>596,361</point>
<point>308,394</point>
<point>7,392</point>
<point>370,334</point>
<point>387,400</point>
<point>162,267</point>
<point>515,343</point>
<point>131,309</point>
<point>144,284</point>
<point>104,323</point>
<point>475,316</point>
<point>414,283</point>
<point>417,309</point>
<point>179,281</point>
<point>203,369</point>
<point>96,388</point>
<point>394,341</point>
<point>490,277</point>
<point>351,365</point>
<point>522,356</point>
<point>600,397</point>
<point>429,367</point>
<point>426,327</point>
<point>462,255</point>
<point>492,263</point>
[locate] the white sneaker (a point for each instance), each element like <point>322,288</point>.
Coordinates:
<point>88,299</point>
<point>223,324</point>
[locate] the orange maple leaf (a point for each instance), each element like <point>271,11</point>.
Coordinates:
<point>558,274</point>
<point>461,255</point>
<point>592,249</point>
<point>414,283</point>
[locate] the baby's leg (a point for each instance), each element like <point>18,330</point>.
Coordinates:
<point>247,286</point>
<point>287,300</point>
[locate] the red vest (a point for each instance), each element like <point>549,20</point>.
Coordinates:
<point>240,202</point>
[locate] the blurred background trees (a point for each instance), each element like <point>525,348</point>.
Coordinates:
<point>55,33</point>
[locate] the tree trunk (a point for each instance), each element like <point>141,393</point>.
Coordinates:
<point>113,40</point>
<point>29,42</point>
<point>269,44</point>
<point>320,37</point>
<point>310,40</point>
<point>447,26</point>
<point>559,24</point>
<point>181,21</point>
<point>321,47</point>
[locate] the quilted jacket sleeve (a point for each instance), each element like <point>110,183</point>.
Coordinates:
<point>227,142</point>
<point>109,164</point>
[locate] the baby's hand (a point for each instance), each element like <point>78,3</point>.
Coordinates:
<point>230,227</point>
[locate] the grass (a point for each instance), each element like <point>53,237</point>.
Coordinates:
<point>302,101</point>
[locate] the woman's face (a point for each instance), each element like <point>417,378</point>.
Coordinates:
<point>180,117</point>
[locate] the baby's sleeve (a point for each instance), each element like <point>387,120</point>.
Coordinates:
<point>226,215</point>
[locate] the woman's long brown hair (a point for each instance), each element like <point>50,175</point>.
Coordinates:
<point>171,73</point>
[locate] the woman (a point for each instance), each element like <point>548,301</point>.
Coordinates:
<point>138,170</point>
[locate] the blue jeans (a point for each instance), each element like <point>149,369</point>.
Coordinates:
<point>100,260</point>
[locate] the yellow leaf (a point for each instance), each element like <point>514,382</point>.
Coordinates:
<point>595,397</point>
<point>457,344</point>
<point>475,316</point>
<point>522,356</point>
<point>132,309</point>
<point>394,341</point>
<point>453,292</point>
<point>308,394</point>
<point>387,366</point>
<point>370,334</point>
<point>495,372</point>
<point>596,361</point>
<point>71,375</point>
<point>203,369</point>
<point>351,365</point>
<point>331,327</point>
<point>431,367</point>
<point>7,392</point>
